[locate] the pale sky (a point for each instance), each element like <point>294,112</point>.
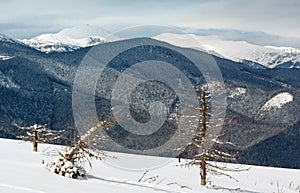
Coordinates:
<point>28,18</point>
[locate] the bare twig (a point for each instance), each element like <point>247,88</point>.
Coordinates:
<point>181,186</point>
<point>143,176</point>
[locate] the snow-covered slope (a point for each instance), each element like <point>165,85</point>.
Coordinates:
<point>269,56</point>
<point>68,39</point>
<point>22,172</point>
<point>277,101</point>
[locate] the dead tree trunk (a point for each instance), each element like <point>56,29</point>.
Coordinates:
<point>203,137</point>
<point>35,141</point>
<point>199,149</point>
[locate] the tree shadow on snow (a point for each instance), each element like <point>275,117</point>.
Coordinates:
<point>131,183</point>
<point>234,190</point>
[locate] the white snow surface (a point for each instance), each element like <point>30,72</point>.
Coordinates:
<point>269,56</point>
<point>69,39</point>
<point>22,172</point>
<point>277,101</point>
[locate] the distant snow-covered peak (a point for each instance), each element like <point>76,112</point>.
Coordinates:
<point>68,39</point>
<point>268,56</point>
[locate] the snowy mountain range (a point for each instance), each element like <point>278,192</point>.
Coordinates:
<point>240,51</point>
<point>71,39</point>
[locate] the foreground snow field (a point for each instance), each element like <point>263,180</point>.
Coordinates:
<point>21,171</point>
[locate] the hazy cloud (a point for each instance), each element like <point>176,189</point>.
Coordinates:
<point>23,19</point>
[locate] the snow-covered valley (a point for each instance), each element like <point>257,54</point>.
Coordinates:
<point>22,171</point>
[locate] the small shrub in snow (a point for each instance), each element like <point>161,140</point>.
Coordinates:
<point>70,161</point>
<point>63,167</point>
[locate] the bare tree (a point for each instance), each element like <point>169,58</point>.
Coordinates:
<point>199,151</point>
<point>39,134</point>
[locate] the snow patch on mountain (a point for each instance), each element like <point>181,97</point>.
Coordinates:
<point>277,101</point>
<point>239,91</point>
<point>239,51</point>
<point>6,57</point>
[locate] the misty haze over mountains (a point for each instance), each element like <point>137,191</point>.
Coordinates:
<point>71,39</point>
